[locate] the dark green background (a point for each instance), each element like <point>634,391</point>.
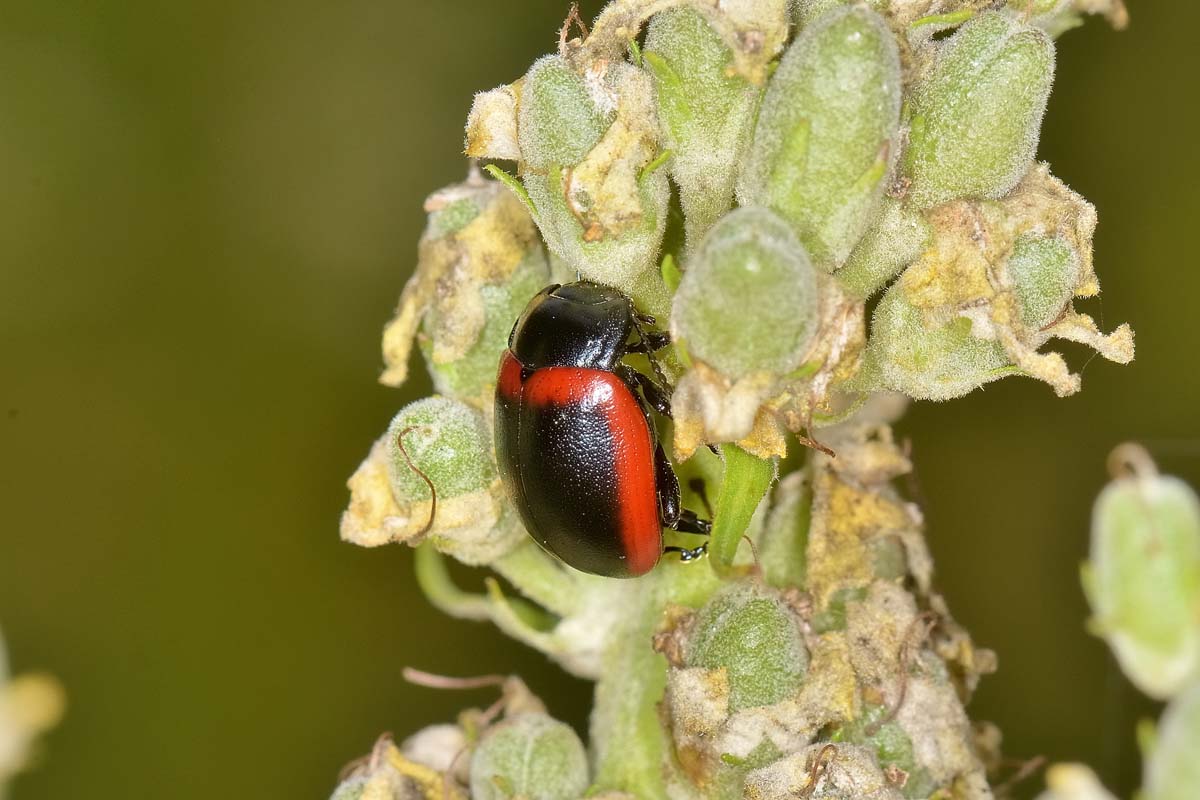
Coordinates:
<point>207,210</point>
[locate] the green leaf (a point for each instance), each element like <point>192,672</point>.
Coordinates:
<point>744,485</point>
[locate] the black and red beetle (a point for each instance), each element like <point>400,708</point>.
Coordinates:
<point>575,443</point>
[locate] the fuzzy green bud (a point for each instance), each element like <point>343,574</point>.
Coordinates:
<point>444,439</point>
<point>479,261</point>
<point>976,117</point>
<point>1172,771</point>
<point>826,132</point>
<point>750,632</point>
<point>558,120</point>
<point>473,373</point>
<point>1044,272</point>
<point>748,301</point>
<point>441,444</point>
<point>705,109</point>
<point>603,210</point>
<point>1143,576</point>
<point>895,240</point>
<point>529,756</point>
<point>927,361</point>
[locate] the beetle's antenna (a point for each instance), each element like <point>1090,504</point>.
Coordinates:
<point>432,491</point>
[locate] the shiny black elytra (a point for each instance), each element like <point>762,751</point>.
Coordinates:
<point>577,449</point>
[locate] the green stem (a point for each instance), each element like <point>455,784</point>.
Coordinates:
<point>540,578</point>
<point>631,746</point>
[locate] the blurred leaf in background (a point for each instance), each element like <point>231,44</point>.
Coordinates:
<point>207,211</point>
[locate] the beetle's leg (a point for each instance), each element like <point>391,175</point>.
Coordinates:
<point>688,554</point>
<point>668,489</point>
<point>688,522</point>
<point>649,342</point>
<point>654,394</point>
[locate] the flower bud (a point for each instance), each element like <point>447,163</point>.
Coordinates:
<point>976,116</point>
<point>530,756</point>
<point>748,300</point>
<point>896,239</point>
<point>748,631</point>
<point>1044,272</point>
<point>705,109</point>
<point>445,443</point>
<point>1171,771</point>
<point>601,208</point>
<point>492,125</point>
<point>560,118</point>
<point>1143,575</point>
<point>992,288</point>
<point>823,771</point>
<point>479,263</point>
<point>824,138</point>
<point>1073,782</point>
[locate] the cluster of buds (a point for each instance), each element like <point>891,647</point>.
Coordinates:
<point>756,175</point>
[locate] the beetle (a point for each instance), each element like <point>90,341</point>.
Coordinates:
<point>575,443</point>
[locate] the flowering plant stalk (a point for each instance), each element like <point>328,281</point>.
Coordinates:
<point>833,207</point>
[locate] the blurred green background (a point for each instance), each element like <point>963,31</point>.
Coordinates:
<point>207,211</point>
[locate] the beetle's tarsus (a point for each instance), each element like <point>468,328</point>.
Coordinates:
<point>687,554</point>
<point>688,522</point>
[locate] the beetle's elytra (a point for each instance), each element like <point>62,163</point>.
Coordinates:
<point>575,443</point>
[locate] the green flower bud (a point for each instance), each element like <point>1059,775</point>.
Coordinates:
<point>751,633</point>
<point>604,210</point>
<point>1172,771</point>
<point>993,286</point>
<point>558,120</point>
<point>1143,576</point>
<point>896,239</point>
<point>446,444</point>
<point>473,374</point>
<point>1044,272</point>
<point>705,109</point>
<point>892,747</point>
<point>530,756</point>
<point>936,362</point>
<point>822,145</point>
<point>976,117</point>
<point>479,263</point>
<point>748,300</point>
<point>806,12</point>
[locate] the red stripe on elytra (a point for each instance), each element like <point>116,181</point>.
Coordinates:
<point>604,393</point>
<point>509,381</point>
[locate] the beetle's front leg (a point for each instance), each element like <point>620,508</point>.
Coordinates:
<point>650,342</point>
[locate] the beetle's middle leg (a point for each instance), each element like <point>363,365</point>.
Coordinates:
<point>668,489</point>
<point>655,395</point>
<point>688,522</point>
